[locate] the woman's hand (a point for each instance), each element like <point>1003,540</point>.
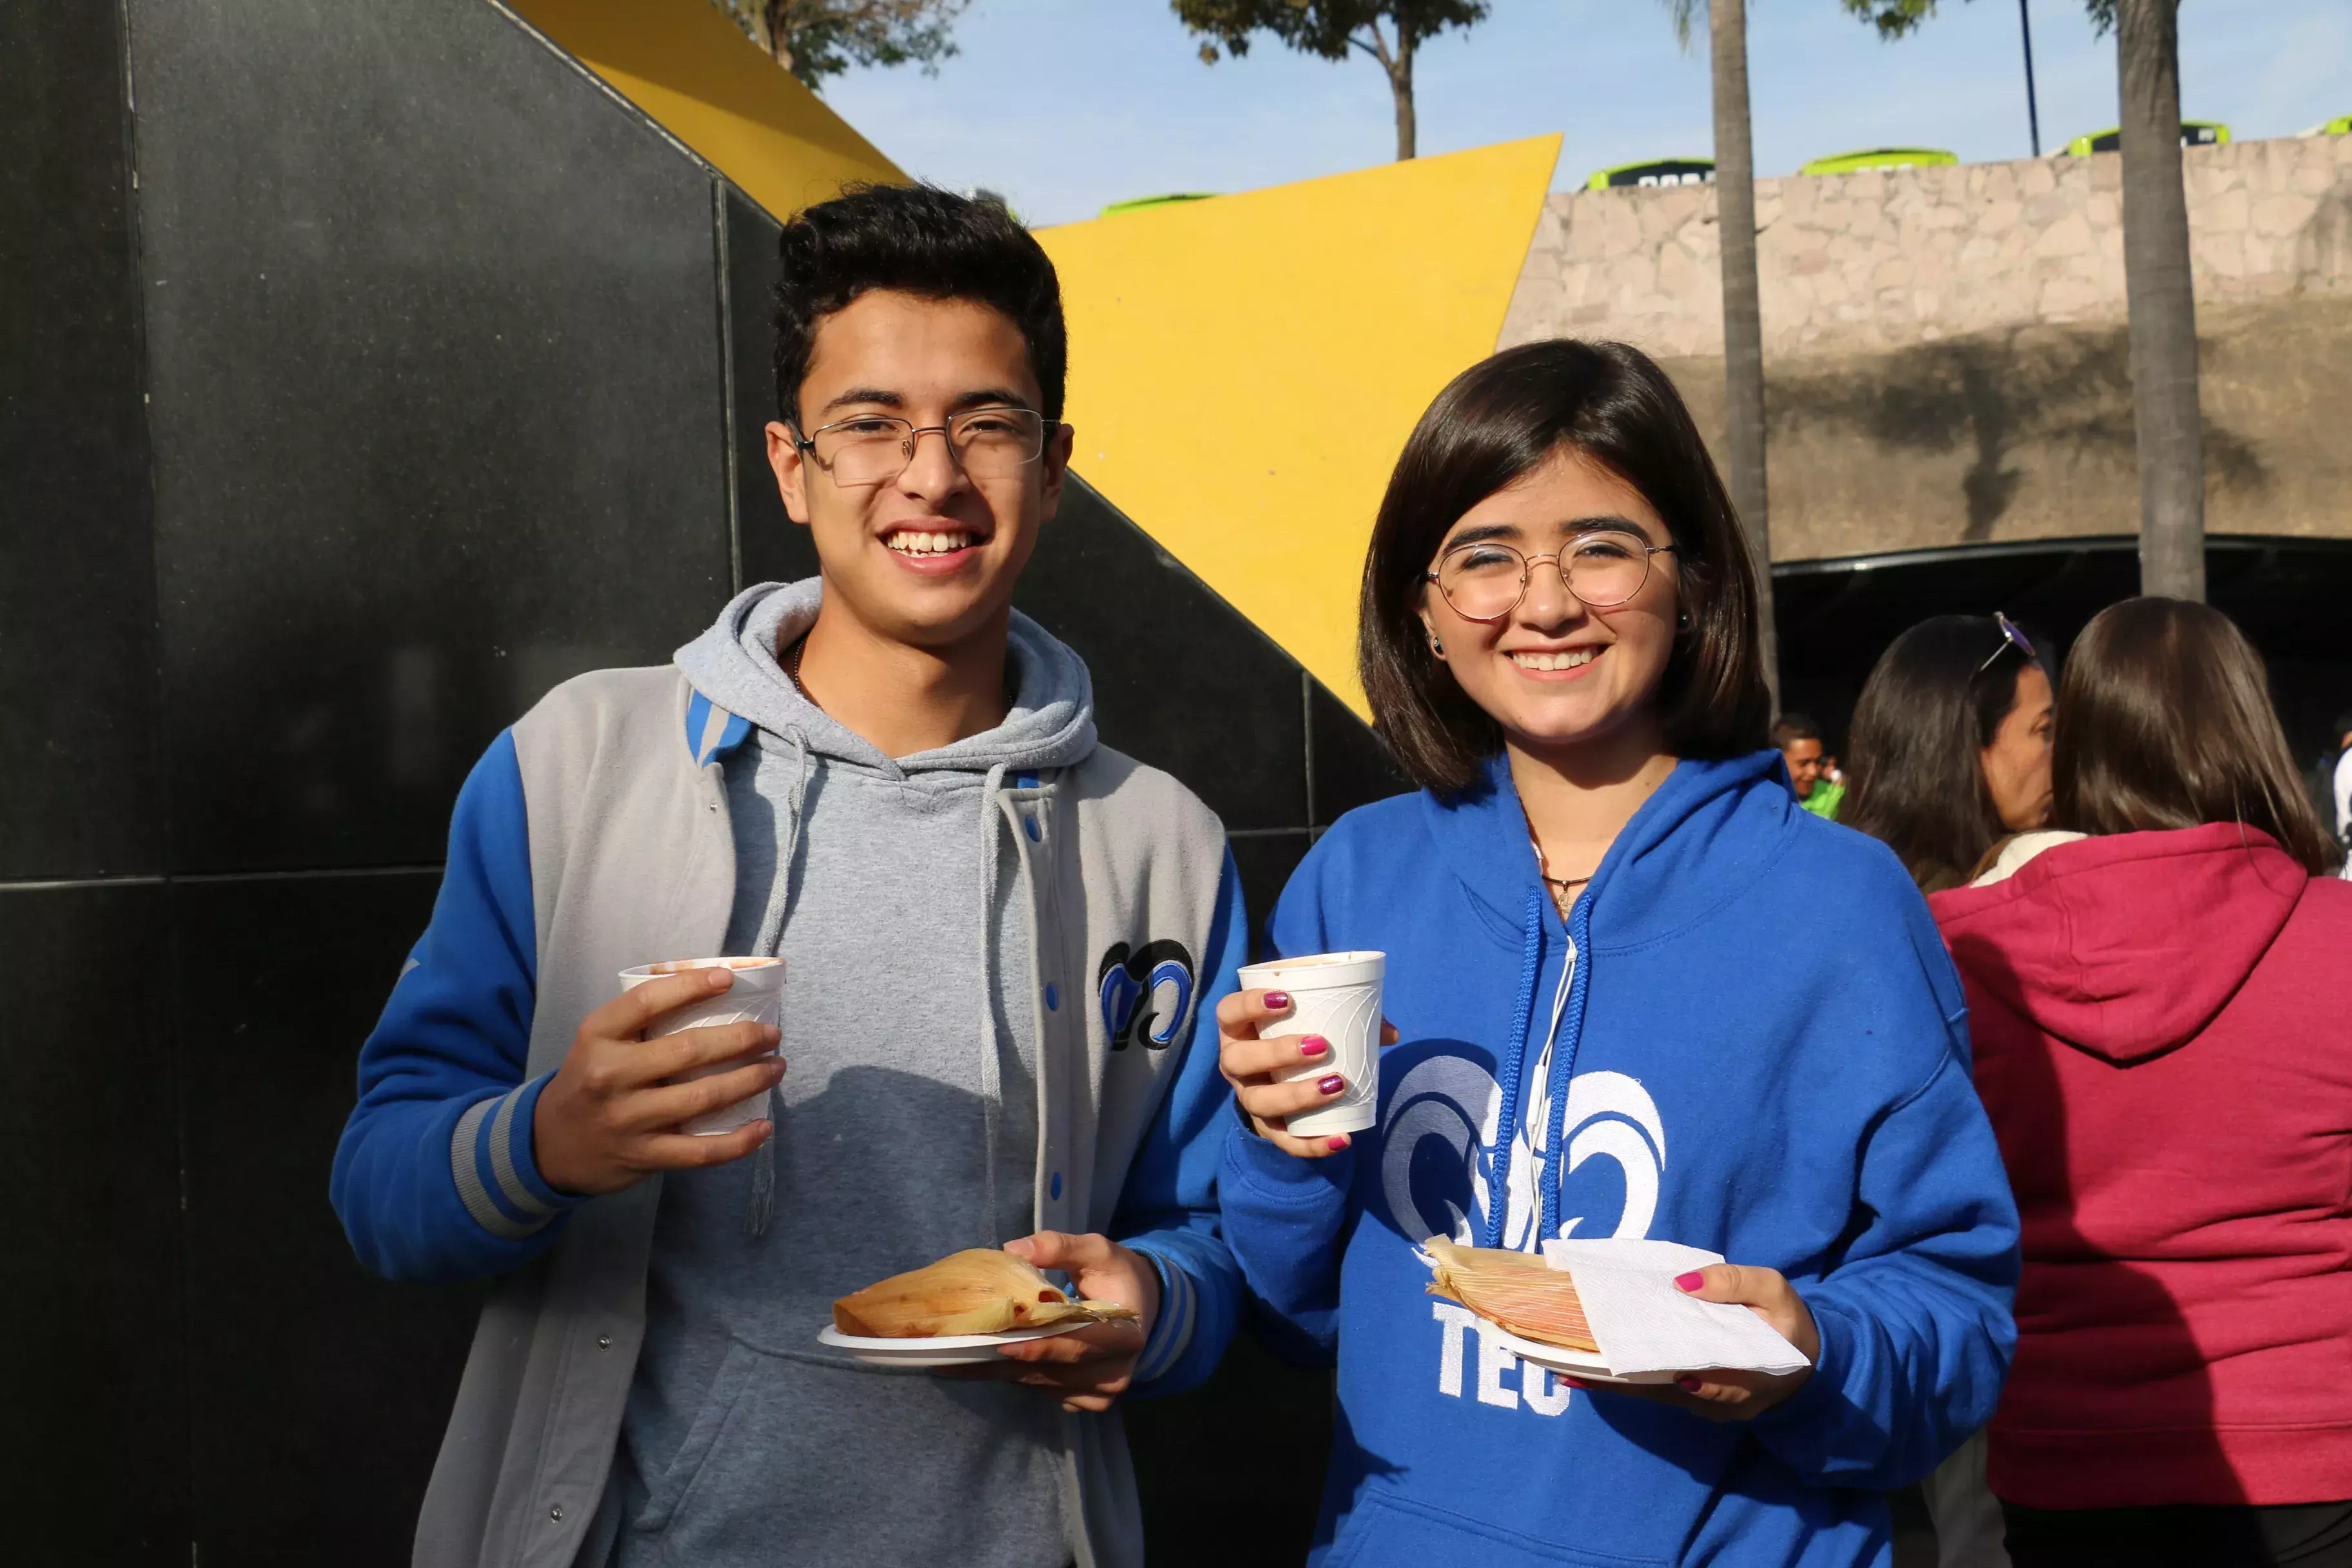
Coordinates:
<point>1727,1395</point>
<point>1253,1067</point>
<point>1090,1367</point>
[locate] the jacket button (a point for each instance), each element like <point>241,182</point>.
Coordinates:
<point>604,1341</point>
<point>556,1513</point>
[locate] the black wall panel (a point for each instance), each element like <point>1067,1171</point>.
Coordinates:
<point>93,1363</point>
<point>772,547</point>
<point>318,1391</point>
<point>434,341</point>
<point>77,583</point>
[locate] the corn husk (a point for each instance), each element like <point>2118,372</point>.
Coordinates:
<point>1517,1291</point>
<point>979,1291</point>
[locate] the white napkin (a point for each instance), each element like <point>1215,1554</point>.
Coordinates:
<point>1644,1323</point>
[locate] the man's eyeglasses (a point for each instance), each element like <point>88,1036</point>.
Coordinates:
<point>1486,581</point>
<point>875,448</point>
<point>2011,638</point>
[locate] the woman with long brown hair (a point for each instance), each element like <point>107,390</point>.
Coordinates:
<point>2157,995</point>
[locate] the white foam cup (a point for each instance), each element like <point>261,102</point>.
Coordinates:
<point>1338,997</point>
<point>757,996</point>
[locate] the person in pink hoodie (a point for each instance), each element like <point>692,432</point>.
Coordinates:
<point>2157,995</point>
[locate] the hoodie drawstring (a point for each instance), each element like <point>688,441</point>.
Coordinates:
<point>1498,1184</point>
<point>991,1080</point>
<point>1563,1068</point>
<point>770,938</point>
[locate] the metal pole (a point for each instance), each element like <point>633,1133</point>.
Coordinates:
<point>2033,109</point>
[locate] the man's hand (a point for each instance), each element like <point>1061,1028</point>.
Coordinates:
<point>1723,1394</point>
<point>609,1116</point>
<point>1091,1367</point>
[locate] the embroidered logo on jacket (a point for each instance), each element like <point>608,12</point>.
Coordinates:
<point>1145,993</point>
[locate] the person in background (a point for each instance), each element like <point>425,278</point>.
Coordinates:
<point>1951,746</point>
<point>2157,995</point>
<point>1612,1028</point>
<point>1799,742</point>
<point>2331,785</point>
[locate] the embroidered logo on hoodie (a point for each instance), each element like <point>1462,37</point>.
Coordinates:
<point>1145,993</point>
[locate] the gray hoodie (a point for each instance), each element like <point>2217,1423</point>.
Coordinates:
<point>906,1130</point>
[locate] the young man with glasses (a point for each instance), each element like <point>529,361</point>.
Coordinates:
<point>998,937</point>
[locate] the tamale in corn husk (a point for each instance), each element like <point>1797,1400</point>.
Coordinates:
<point>978,1291</point>
<point>1517,1291</point>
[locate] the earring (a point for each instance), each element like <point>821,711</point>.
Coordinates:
<point>1683,621</point>
<point>1436,647</point>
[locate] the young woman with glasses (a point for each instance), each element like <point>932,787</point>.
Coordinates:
<point>1951,746</point>
<point>2157,995</point>
<point>1611,1027</point>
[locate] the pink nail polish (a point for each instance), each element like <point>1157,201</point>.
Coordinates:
<point>1690,1281</point>
<point>1313,1046</point>
<point>1277,999</point>
<point>1688,1384</point>
<point>1337,1142</point>
<point>1331,1085</point>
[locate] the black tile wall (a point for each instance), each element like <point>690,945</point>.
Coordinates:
<point>774,548</point>
<point>434,348</point>
<point>93,1363</point>
<point>77,583</point>
<point>1181,681</point>
<point>1265,861</point>
<point>1352,767</point>
<point>318,1391</point>
<point>1249,1444</point>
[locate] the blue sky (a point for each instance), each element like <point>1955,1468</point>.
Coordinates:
<point>1064,105</point>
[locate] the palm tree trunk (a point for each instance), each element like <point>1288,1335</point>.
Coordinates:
<point>2163,301</point>
<point>1743,319</point>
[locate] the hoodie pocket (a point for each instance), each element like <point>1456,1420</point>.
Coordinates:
<point>1384,1530</point>
<point>737,1372</point>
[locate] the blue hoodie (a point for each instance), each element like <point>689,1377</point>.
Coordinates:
<point>1747,1038</point>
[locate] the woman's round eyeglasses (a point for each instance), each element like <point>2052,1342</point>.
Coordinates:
<point>1487,580</point>
<point>875,448</point>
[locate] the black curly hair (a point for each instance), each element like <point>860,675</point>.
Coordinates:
<point>921,240</point>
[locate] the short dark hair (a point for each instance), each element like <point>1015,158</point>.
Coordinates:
<point>1791,727</point>
<point>1933,703</point>
<point>2165,721</point>
<point>1499,420</point>
<point>921,240</point>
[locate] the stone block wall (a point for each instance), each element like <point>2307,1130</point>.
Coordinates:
<point>1946,351</point>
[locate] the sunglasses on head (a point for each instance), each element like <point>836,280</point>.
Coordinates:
<point>2011,638</point>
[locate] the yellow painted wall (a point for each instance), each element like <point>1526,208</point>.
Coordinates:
<point>689,68</point>
<point>1244,370</point>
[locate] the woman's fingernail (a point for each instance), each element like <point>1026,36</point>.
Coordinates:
<point>1277,999</point>
<point>1573,1382</point>
<point>1688,1384</point>
<point>1337,1142</point>
<point>1313,1045</point>
<point>1331,1085</point>
<point>1690,1281</point>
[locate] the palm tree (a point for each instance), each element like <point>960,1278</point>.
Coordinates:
<point>2163,302</point>
<point>1743,316</point>
<point>2157,288</point>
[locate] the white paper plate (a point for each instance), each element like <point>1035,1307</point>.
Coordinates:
<point>946,1350</point>
<point>1583,1365</point>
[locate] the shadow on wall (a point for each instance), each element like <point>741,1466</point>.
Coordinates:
<point>2061,394</point>
<point>2026,433</point>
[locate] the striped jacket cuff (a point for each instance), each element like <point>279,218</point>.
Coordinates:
<point>498,1180</point>
<point>1172,1332</point>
